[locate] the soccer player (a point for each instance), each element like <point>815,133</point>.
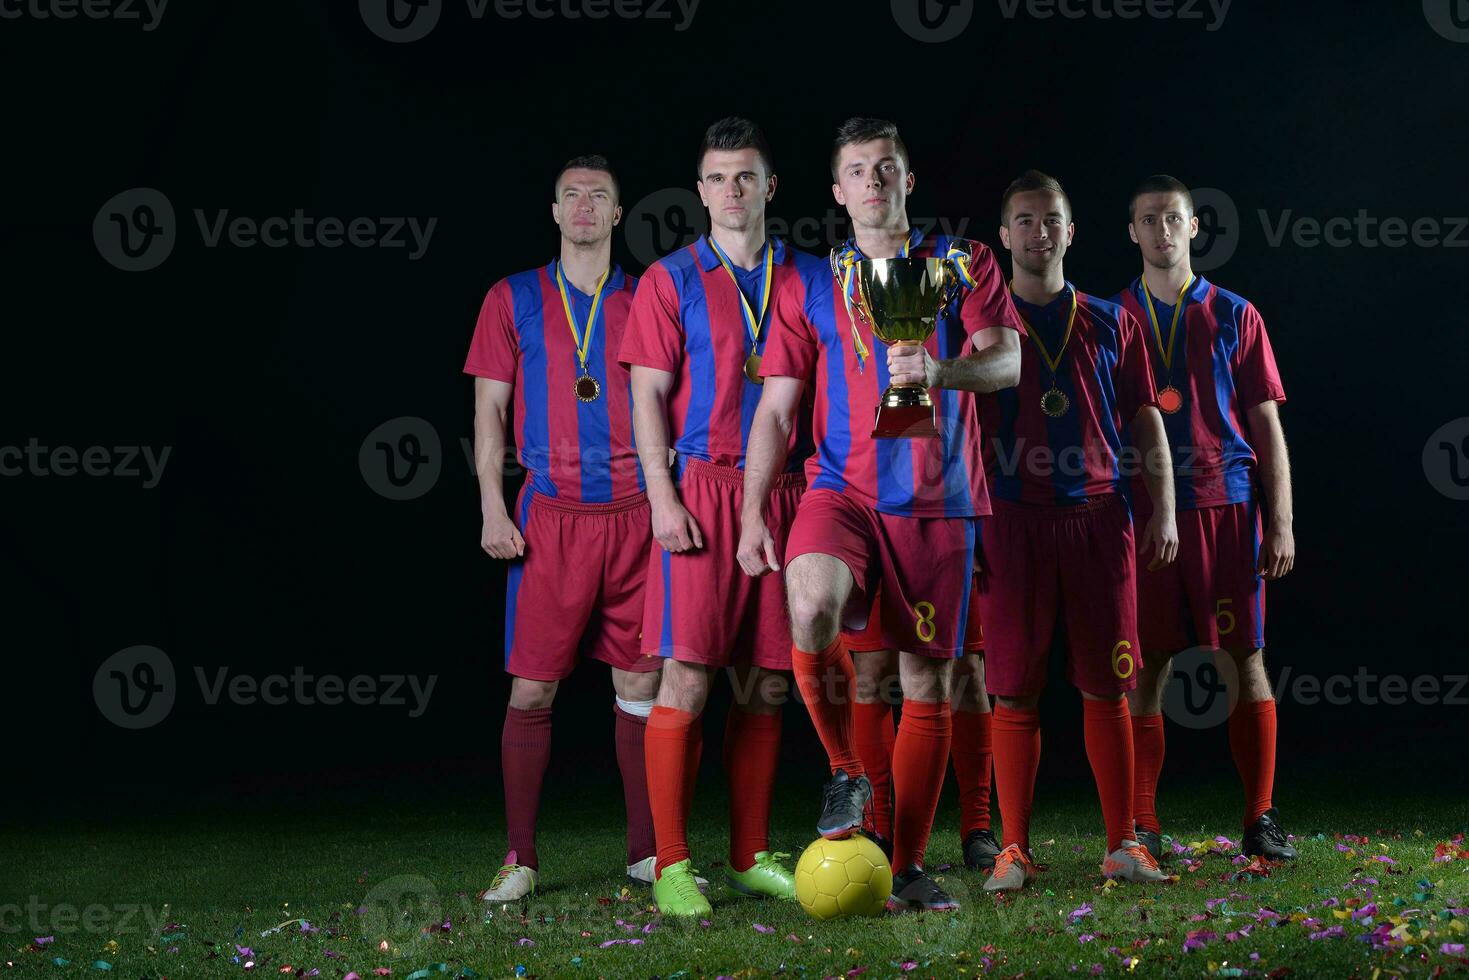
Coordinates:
<point>694,340</point>
<point>1219,390</point>
<point>547,338</point>
<point>971,747</point>
<point>1058,552</point>
<point>898,514</point>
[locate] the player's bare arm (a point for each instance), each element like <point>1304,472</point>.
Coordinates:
<point>1160,536</point>
<point>499,537</point>
<point>994,365</point>
<point>1278,550</point>
<point>765,456</point>
<point>673,526</point>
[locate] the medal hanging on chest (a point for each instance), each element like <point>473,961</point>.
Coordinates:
<point>1054,402</point>
<point>1170,399</point>
<point>753,324</point>
<point>586,388</point>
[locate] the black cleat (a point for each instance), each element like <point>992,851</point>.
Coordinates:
<point>1266,839</point>
<point>1151,840</point>
<point>844,802</point>
<point>915,891</point>
<point>980,850</point>
<point>883,844</point>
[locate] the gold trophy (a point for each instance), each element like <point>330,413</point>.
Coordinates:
<point>902,300</point>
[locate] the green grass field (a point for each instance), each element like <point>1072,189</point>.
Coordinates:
<point>387,889</point>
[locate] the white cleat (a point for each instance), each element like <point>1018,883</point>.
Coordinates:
<point>642,873</point>
<point>511,883</point>
<point>1132,862</point>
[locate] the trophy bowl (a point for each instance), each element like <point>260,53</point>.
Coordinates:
<point>902,300</point>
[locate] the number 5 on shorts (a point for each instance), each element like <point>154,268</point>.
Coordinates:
<point>924,627</point>
<point>1224,616</point>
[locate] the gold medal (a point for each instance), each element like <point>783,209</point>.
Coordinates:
<point>587,388</point>
<point>752,369</point>
<point>1055,403</point>
<point>1170,400</point>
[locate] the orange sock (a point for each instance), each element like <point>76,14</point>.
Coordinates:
<point>920,759</point>
<point>872,730</point>
<point>1017,738</point>
<point>1109,750</point>
<point>973,753</point>
<point>751,753</point>
<point>1147,766</point>
<point>673,742</point>
<point>827,681</point>
<point>1252,743</point>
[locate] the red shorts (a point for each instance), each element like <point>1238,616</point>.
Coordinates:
<point>918,571</point>
<point>579,589</point>
<point>870,638</point>
<point>1211,596</point>
<point>700,606</point>
<point>1068,564</point>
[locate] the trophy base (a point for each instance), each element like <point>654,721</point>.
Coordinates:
<point>905,413</point>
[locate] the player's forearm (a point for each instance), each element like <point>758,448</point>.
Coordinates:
<point>991,369</point>
<point>765,456</point>
<point>1152,441</point>
<point>1274,462</point>
<point>650,427</point>
<point>489,459</point>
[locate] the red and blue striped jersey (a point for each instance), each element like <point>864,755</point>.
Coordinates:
<point>687,320</point>
<point>1103,371</point>
<point>811,340</point>
<point>1222,366</point>
<point>576,451</point>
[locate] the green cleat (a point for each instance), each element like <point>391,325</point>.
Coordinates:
<point>677,892</point>
<point>766,878</point>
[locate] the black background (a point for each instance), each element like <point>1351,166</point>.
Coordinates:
<point>264,369</point>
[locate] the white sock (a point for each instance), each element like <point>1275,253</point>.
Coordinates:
<point>638,709</point>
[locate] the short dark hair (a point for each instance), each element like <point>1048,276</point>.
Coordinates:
<point>591,161</point>
<point>734,133</point>
<point>861,129</point>
<point>1160,184</point>
<point>1032,180</point>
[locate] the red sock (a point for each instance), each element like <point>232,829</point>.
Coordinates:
<point>827,681</point>
<point>632,761</point>
<point>1109,750</point>
<point>525,751</point>
<point>1017,738</point>
<point>1252,743</point>
<point>973,752</point>
<point>751,754</point>
<point>920,759</point>
<point>1147,755</point>
<point>672,743</point>
<point>872,730</point>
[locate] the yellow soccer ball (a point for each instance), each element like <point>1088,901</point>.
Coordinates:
<point>843,877</point>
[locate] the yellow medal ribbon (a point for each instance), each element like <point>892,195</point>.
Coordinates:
<point>582,340</point>
<point>753,325</point>
<point>1051,362</point>
<point>1165,352</point>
